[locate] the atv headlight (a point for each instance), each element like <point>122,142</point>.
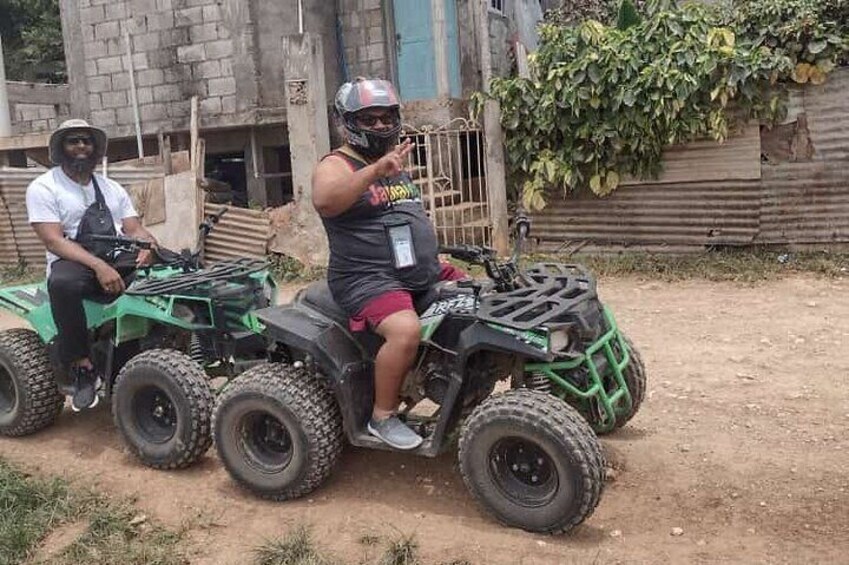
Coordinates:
<point>559,340</point>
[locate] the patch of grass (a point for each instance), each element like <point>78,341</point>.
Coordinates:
<point>295,549</point>
<point>401,551</point>
<point>724,264</point>
<point>31,507</point>
<point>288,269</point>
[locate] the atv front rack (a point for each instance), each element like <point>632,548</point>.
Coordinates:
<point>185,282</point>
<point>551,297</point>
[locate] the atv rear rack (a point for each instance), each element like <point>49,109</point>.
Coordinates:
<point>184,282</point>
<point>551,297</point>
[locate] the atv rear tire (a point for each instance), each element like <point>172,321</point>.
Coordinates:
<point>532,461</point>
<point>162,405</point>
<point>29,397</point>
<point>278,431</point>
<point>635,378</point>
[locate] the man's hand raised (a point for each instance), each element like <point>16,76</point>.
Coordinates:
<point>392,163</point>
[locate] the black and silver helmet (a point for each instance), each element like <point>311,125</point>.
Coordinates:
<point>362,94</point>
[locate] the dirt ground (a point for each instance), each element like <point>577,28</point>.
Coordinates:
<point>741,444</point>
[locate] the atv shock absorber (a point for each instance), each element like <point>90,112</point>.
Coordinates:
<point>196,349</point>
<point>540,382</point>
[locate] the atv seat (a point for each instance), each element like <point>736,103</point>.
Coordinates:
<point>317,296</point>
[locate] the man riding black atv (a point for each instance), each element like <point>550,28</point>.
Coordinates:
<point>66,206</point>
<point>383,248</point>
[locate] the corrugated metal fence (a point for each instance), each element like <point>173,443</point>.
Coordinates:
<point>710,196</point>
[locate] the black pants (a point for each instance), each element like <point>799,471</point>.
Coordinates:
<point>68,285</point>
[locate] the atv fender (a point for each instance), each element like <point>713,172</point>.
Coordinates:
<point>481,337</point>
<point>330,346</point>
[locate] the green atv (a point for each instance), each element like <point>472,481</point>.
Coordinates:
<point>177,326</point>
<point>528,452</point>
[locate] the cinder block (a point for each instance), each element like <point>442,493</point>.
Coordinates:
<point>88,32</point>
<point>94,102</point>
<point>375,52</point>
<point>219,49</point>
<point>146,42</point>
<point>180,108</point>
<point>124,116</point>
<point>143,6</point>
<point>140,61</point>
<point>221,86</point>
<point>375,34</point>
<point>144,94</point>
<point>134,26</point>
<point>224,31</point>
<point>39,125</point>
<point>108,65</point>
<point>91,15</point>
<point>150,77</point>
<point>160,21</point>
<point>105,30</point>
<point>155,111</point>
<point>103,118</point>
<point>228,104</point>
<point>114,99</point>
<point>210,106</point>
<point>211,13</point>
<point>370,5</point>
<point>95,49</point>
<point>226,67</point>
<point>101,83</point>
<point>90,68</point>
<point>188,16</point>
<point>121,81</point>
<point>206,69</point>
<point>190,53</point>
<point>203,33</point>
<point>115,46</point>
<point>175,36</point>
<point>373,18</point>
<point>163,5</point>
<point>166,93</point>
<point>116,10</point>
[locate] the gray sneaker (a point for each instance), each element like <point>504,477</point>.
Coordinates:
<point>395,433</point>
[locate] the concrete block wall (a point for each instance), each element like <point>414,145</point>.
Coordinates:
<point>37,107</point>
<point>364,38</point>
<point>180,48</point>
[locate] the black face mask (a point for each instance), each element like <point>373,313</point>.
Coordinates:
<point>378,145</point>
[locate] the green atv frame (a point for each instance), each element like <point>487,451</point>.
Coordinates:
<point>159,344</point>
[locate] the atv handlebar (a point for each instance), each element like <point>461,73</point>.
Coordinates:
<point>505,274</point>
<point>120,241</point>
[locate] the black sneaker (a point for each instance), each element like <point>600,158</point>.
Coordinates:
<point>85,389</point>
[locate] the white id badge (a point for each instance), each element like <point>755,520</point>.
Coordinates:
<point>401,240</point>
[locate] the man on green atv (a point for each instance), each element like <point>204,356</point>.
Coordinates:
<point>66,206</point>
<point>383,247</point>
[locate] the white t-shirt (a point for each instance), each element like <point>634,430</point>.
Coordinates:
<point>55,198</point>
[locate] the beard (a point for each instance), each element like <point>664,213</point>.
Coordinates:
<point>83,165</point>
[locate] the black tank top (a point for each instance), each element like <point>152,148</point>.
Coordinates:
<point>362,263</point>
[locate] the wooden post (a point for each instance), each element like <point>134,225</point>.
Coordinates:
<point>496,179</point>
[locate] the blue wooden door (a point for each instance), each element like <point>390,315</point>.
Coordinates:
<point>414,47</point>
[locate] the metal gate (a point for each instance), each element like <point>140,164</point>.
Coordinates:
<point>449,165</point>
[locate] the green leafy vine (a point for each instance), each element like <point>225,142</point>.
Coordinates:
<point>603,102</point>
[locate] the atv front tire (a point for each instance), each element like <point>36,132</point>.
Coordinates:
<point>162,405</point>
<point>635,379</point>
<point>532,461</point>
<point>29,397</point>
<point>278,431</point>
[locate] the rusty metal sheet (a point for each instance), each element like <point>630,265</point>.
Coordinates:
<point>808,202</point>
<point>674,217</point>
<point>739,158</point>
<point>241,232</point>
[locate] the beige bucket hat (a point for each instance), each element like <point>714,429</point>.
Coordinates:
<point>76,124</point>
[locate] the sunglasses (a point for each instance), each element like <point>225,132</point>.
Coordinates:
<point>370,120</point>
<point>84,139</point>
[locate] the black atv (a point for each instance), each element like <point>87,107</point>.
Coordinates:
<point>529,453</point>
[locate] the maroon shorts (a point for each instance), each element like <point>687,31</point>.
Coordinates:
<point>381,307</point>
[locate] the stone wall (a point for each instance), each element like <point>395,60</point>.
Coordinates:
<point>364,38</point>
<point>37,107</point>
